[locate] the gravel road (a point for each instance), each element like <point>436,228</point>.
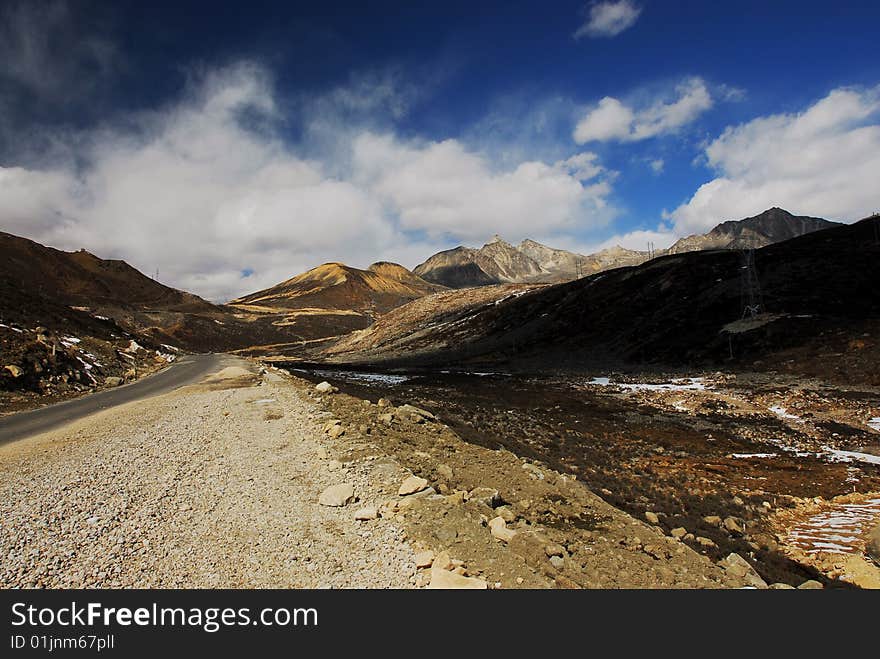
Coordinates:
<point>211,486</point>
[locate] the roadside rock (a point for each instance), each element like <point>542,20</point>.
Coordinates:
<point>678,533</point>
<point>424,559</point>
<point>412,485</point>
<point>652,517</point>
<point>417,414</point>
<point>445,580</point>
<point>737,566</point>
<point>325,388</point>
<point>367,513</point>
<point>113,381</point>
<point>337,495</point>
<point>499,530</point>
<point>484,495</point>
<point>733,526</point>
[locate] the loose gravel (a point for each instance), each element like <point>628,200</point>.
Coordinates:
<point>205,487</point>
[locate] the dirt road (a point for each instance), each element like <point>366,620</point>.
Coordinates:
<point>212,485</point>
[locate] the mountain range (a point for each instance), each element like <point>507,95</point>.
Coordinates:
<point>501,262</point>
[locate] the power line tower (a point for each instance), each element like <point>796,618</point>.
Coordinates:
<point>751,297</point>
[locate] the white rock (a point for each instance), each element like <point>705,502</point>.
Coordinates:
<point>445,580</point>
<point>367,513</point>
<point>324,387</point>
<point>499,530</point>
<point>337,495</point>
<point>412,485</point>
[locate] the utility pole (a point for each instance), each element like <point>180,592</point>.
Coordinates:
<point>751,296</point>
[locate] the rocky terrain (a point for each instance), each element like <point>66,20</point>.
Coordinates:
<point>500,262</point>
<point>723,464</point>
<point>815,313</point>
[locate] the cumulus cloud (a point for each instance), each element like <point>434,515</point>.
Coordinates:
<point>821,161</point>
<point>209,191</point>
<point>657,165</point>
<point>608,19</point>
<point>613,120</point>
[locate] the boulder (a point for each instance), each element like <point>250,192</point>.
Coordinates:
<point>736,566</point>
<point>324,388</point>
<point>387,419</point>
<point>367,513</point>
<point>412,485</point>
<point>781,586</point>
<point>557,562</point>
<point>484,495</point>
<point>734,526</point>
<point>713,520</point>
<point>499,530</point>
<point>332,423</point>
<point>337,495</point>
<point>652,517</point>
<point>554,549</point>
<point>424,559</point>
<point>678,533</point>
<point>112,381</point>
<point>383,402</point>
<point>445,580</point>
<point>811,584</point>
<point>417,414</point>
<point>336,431</point>
<point>13,370</point>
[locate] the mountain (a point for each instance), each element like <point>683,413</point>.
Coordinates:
<point>341,288</point>
<point>81,278</point>
<point>818,315</point>
<point>772,226</point>
<point>500,262</point>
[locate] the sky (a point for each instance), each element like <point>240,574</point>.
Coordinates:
<point>230,146</point>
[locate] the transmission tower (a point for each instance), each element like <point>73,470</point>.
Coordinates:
<point>752,299</point>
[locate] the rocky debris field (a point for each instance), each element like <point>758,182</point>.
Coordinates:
<point>210,486</point>
<point>39,365</point>
<point>721,464</point>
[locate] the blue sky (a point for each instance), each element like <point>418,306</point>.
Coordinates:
<point>234,146</point>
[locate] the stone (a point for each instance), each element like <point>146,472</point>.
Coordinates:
<point>734,526</point>
<point>332,423</point>
<point>678,533</point>
<point>367,513</point>
<point>713,520</point>
<point>412,485</point>
<point>499,530</point>
<point>387,419</point>
<point>113,381</point>
<point>424,559</point>
<point>554,549</point>
<point>705,542</point>
<point>445,580</point>
<point>738,501</point>
<point>337,495</point>
<point>557,562</point>
<point>336,431</point>
<point>781,586</point>
<point>442,561</point>
<point>324,388</point>
<point>533,471</point>
<point>14,370</point>
<point>811,584</point>
<point>484,495</point>
<point>416,413</point>
<point>652,517</point>
<point>383,402</point>
<point>872,547</point>
<point>445,471</point>
<point>736,566</point>
<point>506,513</point>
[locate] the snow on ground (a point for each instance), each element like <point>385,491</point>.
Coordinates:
<point>836,531</point>
<point>753,455</point>
<point>874,423</point>
<point>358,376</point>
<point>782,413</point>
<point>853,456</point>
<point>678,384</point>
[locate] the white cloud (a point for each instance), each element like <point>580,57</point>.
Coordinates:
<point>206,189</point>
<point>613,120</point>
<point>443,188</point>
<point>657,165</point>
<point>822,161</point>
<point>608,19</point>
